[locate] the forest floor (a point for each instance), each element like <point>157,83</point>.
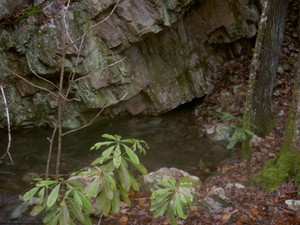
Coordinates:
<point>252,204</point>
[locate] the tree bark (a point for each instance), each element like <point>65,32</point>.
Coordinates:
<point>266,68</point>
<point>291,140</point>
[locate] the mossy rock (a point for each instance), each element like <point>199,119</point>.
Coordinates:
<point>275,171</point>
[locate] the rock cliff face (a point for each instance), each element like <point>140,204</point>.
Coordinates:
<point>137,56</point>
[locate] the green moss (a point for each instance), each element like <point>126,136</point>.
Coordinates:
<point>279,169</point>
<point>80,15</point>
<point>27,13</point>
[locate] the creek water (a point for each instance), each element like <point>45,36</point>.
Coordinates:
<point>172,139</point>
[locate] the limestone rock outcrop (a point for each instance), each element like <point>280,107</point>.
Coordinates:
<point>136,57</point>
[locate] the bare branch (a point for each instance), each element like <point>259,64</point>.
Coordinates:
<point>8,127</point>
<point>42,78</point>
<point>51,140</point>
<point>28,82</point>
<point>110,65</point>
<point>92,27</point>
<point>93,120</point>
<point>111,12</point>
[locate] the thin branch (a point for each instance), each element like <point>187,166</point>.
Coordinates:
<point>61,103</point>
<point>8,126</point>
<point>39,87</point>
<point>92,27</point>
<point>50,151</point>
<point>111,12</point>
<point>32,84</point>
<point>110,65</point>
<point>93,120</point>
<point>42,78</point>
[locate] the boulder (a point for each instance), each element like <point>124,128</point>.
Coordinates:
<point>215,200</point>
<point>151,181</point>
<point>217,132</point>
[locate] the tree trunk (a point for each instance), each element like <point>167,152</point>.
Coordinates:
<point>258,108</point>
<point>291,140</point>
<point>261,114</point>
<point>287,163</point>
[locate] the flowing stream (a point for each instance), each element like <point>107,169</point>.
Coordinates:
<point>172,139</point>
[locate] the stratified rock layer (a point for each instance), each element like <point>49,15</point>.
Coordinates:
<point>167,53</point>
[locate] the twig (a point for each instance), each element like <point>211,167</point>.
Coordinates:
<point>32,84</point>
<point>92,27</point>
<point>93,120</point>
<point>38,76</point>
<point>100,219</point>
<point>8,127</point>
<point>87,76</point>
<point>50,151</point>
<point>111,12</point>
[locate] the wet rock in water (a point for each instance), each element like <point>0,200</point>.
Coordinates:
<point>151,180</point>
<point>12,207</point>
<point>215,200</point>
<point>217,132</point>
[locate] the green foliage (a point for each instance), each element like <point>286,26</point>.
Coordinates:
<point>100,188</point>
<point>27,13</point>
<point>66,202</point>
<point>238,132</point>
<point>173,199</point>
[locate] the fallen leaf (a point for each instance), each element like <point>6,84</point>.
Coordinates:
<point>123,220</point>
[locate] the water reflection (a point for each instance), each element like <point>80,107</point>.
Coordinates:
<point>172,140</point>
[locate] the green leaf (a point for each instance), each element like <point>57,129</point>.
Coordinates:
<point>134,184</point>
<point>160,211</point>
<point>41,196</point>
<point>106,154</point>
<point>37,210</point>
<point>46,183</point>
<point>87,221</point>
<point>124,195</point>
<point>178,205</point>
<point>140,167</point>
<point>116,203</point>
<point>64,217</point>
<point>108,192</point>
<point>171,182</point>
<point>53,196</point>
<point>171,216</point>
<point>29,194</point>
<point>103,203</point>
<point>77,199</point>
<point>111,181</point>
<point>249,132</point>
<point>124,177</point>
<point>159,203</point>
<point>54,220</point>
<point>92,189</point>
<point>100,144</point>
<point>111,137</point>
<point>162,191</point>
<point>134,158</point>
<point>97,161</point>
<point>76,211</point>
<point>117,156</point>
<point>74,184</point>
<point>50,216</point>
<point>86,204</point>
<point>232,143</point>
